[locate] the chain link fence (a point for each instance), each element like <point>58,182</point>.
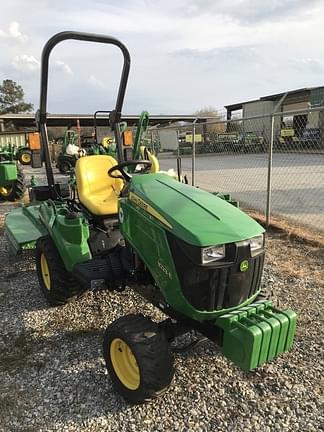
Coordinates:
<point>272,163</point>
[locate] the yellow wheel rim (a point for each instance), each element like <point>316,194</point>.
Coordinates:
<point>45,272</point>
<point>124,364</point>
<point>5,191</point>
<point>25,157</point>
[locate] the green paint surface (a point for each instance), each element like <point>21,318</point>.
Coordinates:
<point>257,333</point>
<point>197,217</point>
<point>27,224</point>
<point>8,172</point>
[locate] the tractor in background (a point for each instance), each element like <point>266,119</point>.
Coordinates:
<point>12,179</point>
<point>248,142</point>
<point>75,146</point>
<point>17,145</point>
<point>70,152</point>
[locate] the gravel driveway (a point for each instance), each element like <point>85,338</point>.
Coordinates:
<point>52,374</point>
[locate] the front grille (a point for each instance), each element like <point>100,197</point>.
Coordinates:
<point>218,286</point>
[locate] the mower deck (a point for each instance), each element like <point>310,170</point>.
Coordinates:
<point>23,227</point>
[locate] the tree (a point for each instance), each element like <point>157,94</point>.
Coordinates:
<point>12,98</point>
<point>215,124</point>
<point>209,111</point>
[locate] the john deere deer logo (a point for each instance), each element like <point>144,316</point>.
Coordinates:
<point>244,265</point>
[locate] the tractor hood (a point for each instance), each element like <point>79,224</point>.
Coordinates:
<point>193,215</point>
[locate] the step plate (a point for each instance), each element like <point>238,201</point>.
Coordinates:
<point>257,333</point>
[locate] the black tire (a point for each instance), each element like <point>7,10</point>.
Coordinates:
<point>16,189</point>
<point>63,286</point>
<point>64,167</point>
<point>24,157</point>
<point>65,163</point>
<point>152,353</point>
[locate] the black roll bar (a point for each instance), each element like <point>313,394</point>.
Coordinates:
<point>95,122</point>
<point>41,115</point>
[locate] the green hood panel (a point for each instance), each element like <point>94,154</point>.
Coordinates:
<point>196,216</point>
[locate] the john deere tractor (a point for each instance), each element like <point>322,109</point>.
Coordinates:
<point>12,180</point>
<point>192,254</point>
<point>65,161</point>
<point>17,145</point>
<point>88,146</point>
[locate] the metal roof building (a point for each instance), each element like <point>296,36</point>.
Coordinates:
<point>86,120</point>
<point>291,100</point>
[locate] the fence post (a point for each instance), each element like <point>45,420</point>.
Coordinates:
<point>152,143</point>
<point>269,179</point>
<point>178,149</point>
<point>193,162</point>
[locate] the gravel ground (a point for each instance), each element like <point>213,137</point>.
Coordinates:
<point>52,374</point>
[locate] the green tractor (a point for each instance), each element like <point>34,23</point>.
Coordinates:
<point>89,146</point>
<point>193,255</point>
<point>107,146</point>
<point>12,179</point>
<point>253,142</point>
<point>65,162</point>
<point>16,145</point>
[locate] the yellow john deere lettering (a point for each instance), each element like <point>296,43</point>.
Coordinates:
<point>141,203</point>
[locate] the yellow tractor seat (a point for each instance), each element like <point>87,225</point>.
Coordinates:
<point>146,154</point>
<point>96,190</point>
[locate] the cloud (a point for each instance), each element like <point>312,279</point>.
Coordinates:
<point>312,65</point>
<point>25,62</point>
<point>64,67</point>
<point>13,33</point>
<point>95,82</point>
<point>225,54</point>
<point>185,54</point>
<point>248,11</point>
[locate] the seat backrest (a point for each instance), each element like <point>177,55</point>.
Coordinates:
<point>146,154</point>
<point>92,176</point>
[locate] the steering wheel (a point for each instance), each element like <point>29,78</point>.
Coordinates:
<point>124,174</point>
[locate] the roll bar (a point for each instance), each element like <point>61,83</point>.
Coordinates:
<point>115,115</point>
<point>95,122</point>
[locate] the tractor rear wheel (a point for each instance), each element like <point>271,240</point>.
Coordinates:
<point>56,283</point>
<point>24,157</point>
<point>64,164</point>
<point>138,358</point>
<point>15,189</point>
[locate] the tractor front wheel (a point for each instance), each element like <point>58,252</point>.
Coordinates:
<point>56,283</point>
<point>138,358</point>
<point>24,157</point>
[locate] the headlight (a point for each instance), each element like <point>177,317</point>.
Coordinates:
<point>212,253</point>
<point>256,244</point>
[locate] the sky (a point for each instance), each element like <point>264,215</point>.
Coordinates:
<point>185,54</point>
